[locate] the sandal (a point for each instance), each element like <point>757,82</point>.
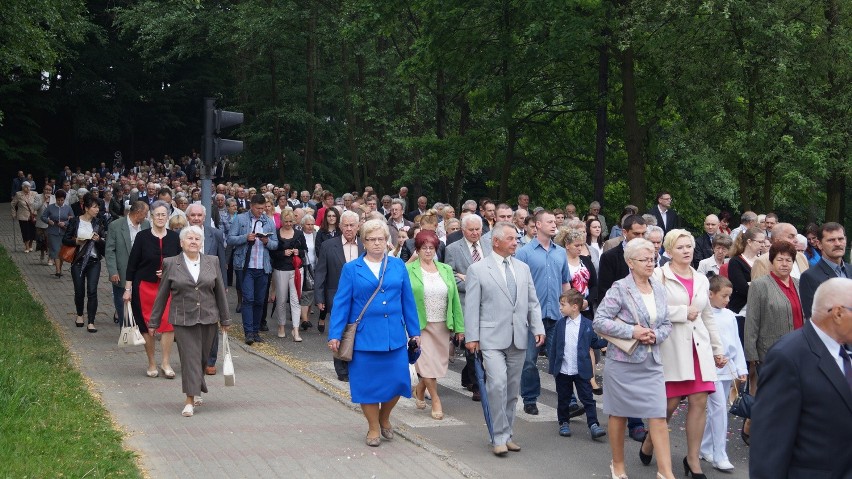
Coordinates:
<point>420,403</point>
<point>168,373</point>
<point>438,415</point>
<point>152,373</point>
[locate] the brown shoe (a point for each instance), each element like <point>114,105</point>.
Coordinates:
<point>512,446</point>
<point>210,370</point>
<point>501,450</point>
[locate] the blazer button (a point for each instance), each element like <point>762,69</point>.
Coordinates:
<point>196,288</point>
<point>198,304</point>
<point>384,302</point>
<point>386,315</point>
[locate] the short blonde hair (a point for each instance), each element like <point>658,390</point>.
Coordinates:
<point>177,222</point>
<point>374,225</point>
<point>674,235</point>
<point>287,214</point>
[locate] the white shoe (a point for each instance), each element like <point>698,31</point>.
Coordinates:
<point>724,466</point>
<point>188,410</point>
<point>705,457</point>
<point>197,401</point>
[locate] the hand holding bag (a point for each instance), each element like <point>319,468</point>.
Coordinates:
<point>347,341</point>
<point>626,345</point>
<point>130,335</point>
<point>228,362</point>
<point>307,277</point>
<point>742,404</point>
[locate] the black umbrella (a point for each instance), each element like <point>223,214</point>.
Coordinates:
<point>480,379</point>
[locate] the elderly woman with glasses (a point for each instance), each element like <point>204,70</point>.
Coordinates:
<point>376,289</point>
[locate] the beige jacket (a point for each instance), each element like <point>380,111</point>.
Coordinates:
<point>23,204</point>
<point>677,349</point>
<point>761,265</point>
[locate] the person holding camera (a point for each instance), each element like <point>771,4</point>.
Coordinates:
<point>440,314</point>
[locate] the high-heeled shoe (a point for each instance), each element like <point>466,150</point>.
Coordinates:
<point>645,458</point>
<point>79,322</point>
<point>420,404</point>
<point>614,475</point>
<point>91,328</point>
<point>321,325</point>
<point>688,470</point>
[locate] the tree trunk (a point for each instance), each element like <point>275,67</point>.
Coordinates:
<point>835,194</point>
<point>632,132</point>
<point>350,116</point>
<point>277,152</point>
<point>458,178</point>
<point>311,60</point>
<point>441,123</point>
<point>601,127</point>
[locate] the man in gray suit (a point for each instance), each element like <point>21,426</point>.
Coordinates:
<point>333,254</point>
<point>119,242</point>
<point>460,255</point>
<point>501,309</point>
<point>213,245</point>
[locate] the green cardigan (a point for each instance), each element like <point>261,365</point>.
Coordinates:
<point>455,320</point>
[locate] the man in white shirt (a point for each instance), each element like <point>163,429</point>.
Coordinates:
<point>397,220</point>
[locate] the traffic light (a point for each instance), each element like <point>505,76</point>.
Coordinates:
<point>214,122</point>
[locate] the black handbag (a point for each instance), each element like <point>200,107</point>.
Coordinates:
<point>307,278</point>
<point>742,404</point>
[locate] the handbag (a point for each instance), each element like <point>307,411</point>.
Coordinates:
<point>67,253</point>
<point>228,362</point>
<point>130,335</point>
<point>742,404</point>
<point>307,278</point>
<point>627,345</point>
<point>347,341</point>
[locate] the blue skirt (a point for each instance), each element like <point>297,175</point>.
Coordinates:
<point>379,376</point>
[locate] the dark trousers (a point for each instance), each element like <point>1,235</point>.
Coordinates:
<point>530,380</point>
<point>118,301</point>
<point>86,286</point>
<point>214,351</point>
<point>565,385</point>
<point>254,287</point>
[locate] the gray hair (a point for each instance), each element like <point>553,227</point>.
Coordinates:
<point>636,245</point>
<point>748,217</point>
<point>469,205</point>
<point>307,218</point>
<point>828,294</point>
<point>349,214</point>
<point>470,218</point>
<point>27,184</point>
<point>348,196</point>
<point>499,231</point>
<point>230,201</point>
<point>451,221</point>
<point>219,195</point>
<point>654,229</point>
<point>186,230</point>
<point>398,201</point>
<point>159,204</point>
<point>594,204</point>
<point>193,206</point>
<point>650,220</point>
<point>82,192</point>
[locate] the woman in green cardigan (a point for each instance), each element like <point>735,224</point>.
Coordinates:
<point>440,313</point>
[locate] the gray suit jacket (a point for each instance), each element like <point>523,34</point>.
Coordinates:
<point>193,302</point>
<point>457,255</point>
<point>118,247</point>
<point>489,315</point>
<point>769,316</point>
<point>214,245</point>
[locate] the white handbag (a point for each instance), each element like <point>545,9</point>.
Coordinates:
<point>130,335</point>
<point>228,362</point>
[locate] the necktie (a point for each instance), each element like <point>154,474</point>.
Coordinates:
<point>512,287</point>
<point>474,255</point>
<point>842,271</point>
<point>847,365</point>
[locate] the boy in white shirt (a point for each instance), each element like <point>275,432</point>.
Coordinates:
<point>713,445</point>
<point>571,365</point>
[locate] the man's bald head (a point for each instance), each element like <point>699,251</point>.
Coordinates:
<point>784,232</point>
<point>832,309</point>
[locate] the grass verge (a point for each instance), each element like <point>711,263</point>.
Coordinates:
<point>50,425</point>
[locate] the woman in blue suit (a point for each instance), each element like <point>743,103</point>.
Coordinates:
<point>378,372</point>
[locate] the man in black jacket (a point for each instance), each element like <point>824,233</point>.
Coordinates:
<point>667,218</point>
<point>704,242</point>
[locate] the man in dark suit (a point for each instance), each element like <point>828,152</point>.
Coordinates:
<point>419,210</point>
<point>802,415</point>
<point>333,254</point>
<point>613,267</point>
<point>667,218</point>
<point>704,242</point>
<point>832,240</point>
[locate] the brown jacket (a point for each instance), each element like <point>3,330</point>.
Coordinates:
<point>201,302</point>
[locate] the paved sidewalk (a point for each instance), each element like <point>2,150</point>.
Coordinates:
<point>272,424</point>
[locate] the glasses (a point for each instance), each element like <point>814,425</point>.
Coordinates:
<point>643,260</point>
<point>375,240</point>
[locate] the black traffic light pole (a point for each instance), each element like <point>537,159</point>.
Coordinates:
<point>215,147</point>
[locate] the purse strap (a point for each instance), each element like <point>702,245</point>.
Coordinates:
<point>381,278</point>
<point>129,320</point>
<point>226,346</point>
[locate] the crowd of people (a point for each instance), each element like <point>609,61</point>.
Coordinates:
<point>679,317</point>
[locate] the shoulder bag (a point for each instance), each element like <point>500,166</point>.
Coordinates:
<point>347,342</point>
<point>67,253</point>
<point>627,345</point>
<point>130,335</point>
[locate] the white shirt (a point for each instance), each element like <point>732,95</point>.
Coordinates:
<point>310,239</point>
<point>726,323</point>
<point>569,354</point>
<point>374,267</point>
<point>134,230</point>
<point>500,267</point>
<point>478,248</point>
<point>193,266</point>
<point>832,346</point>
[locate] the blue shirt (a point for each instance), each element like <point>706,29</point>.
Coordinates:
<point>549,269</point>
<point>837,268</point>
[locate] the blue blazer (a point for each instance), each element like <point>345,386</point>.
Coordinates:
<point>586,340</point>
<point>392,316</point>
<point>238,236</point>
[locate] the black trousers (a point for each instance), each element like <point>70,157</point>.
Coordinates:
<point>86,286</point>
<point>565,385</point>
